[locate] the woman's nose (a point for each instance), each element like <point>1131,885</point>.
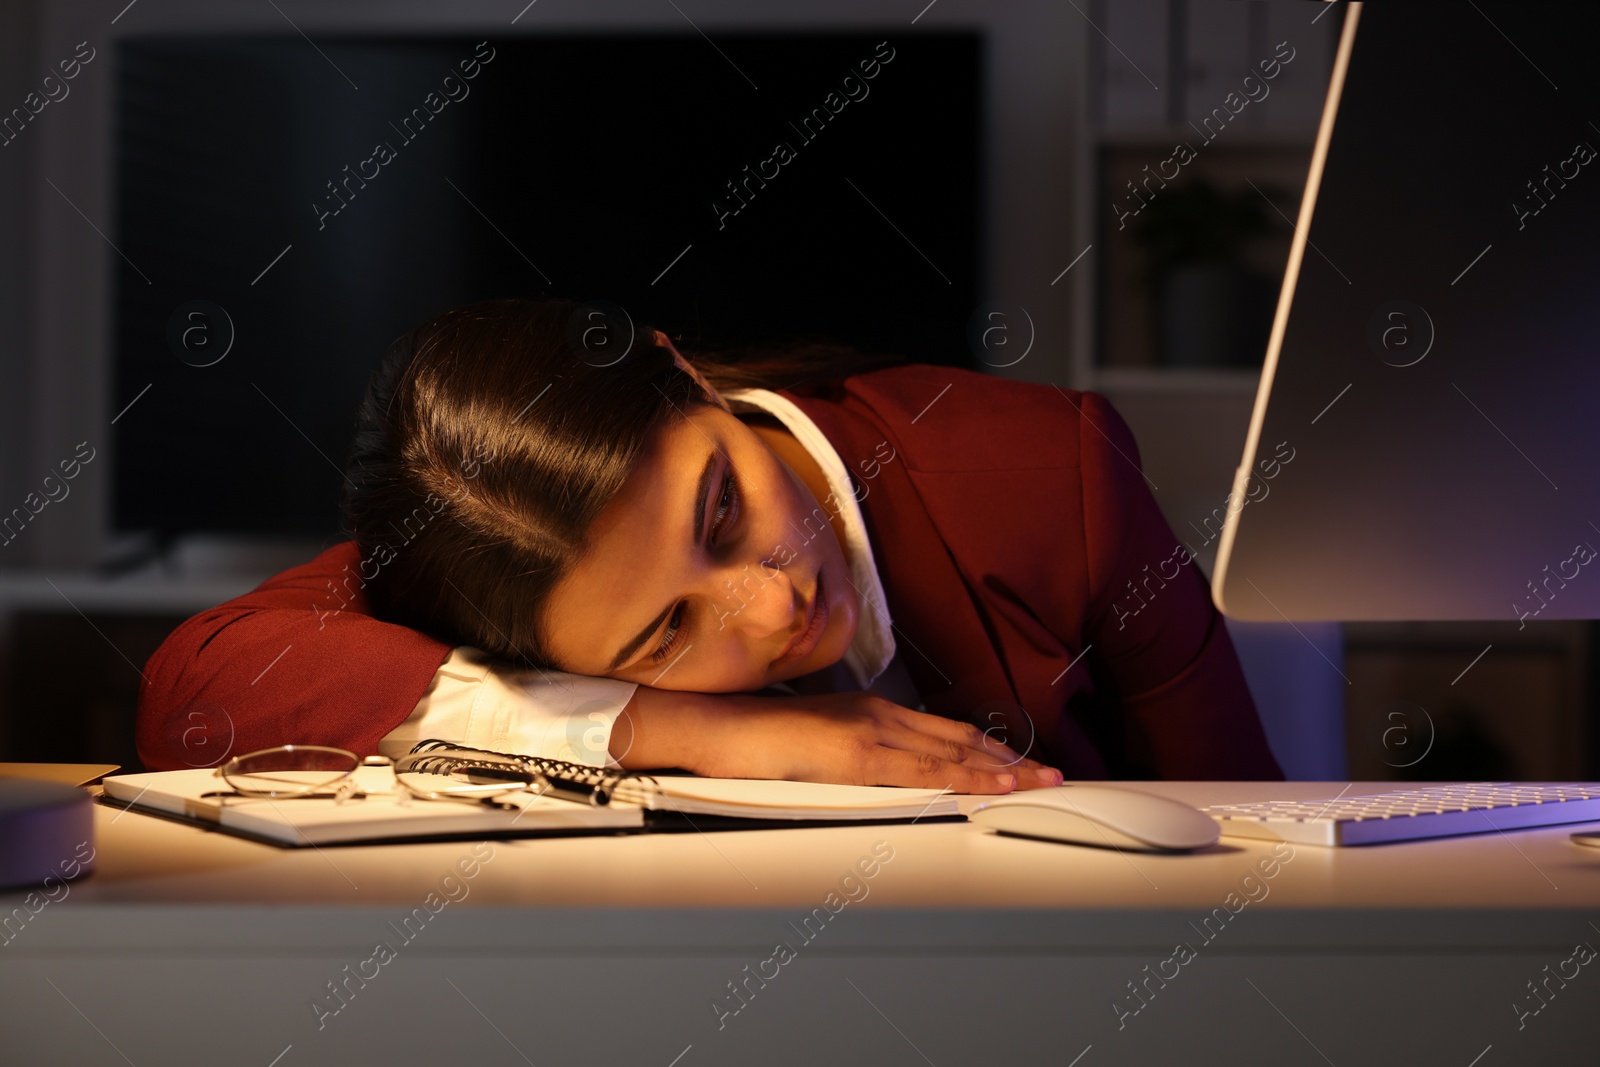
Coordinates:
<point>759,600</point>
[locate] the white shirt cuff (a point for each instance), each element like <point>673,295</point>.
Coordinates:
<point>479,702</point>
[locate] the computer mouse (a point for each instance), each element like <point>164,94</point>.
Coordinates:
<point>1099,815</point>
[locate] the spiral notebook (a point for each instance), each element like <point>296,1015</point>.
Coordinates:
<point>580,799</point>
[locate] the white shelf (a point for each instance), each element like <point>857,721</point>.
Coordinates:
<point>1164,137</point>
<point>158,594</point>
<point>198,572</point>
<point>1233,381</point>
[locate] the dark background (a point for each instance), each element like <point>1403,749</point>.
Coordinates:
<point>598,158</point>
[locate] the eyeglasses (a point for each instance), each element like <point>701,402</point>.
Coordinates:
<point>292,771</point>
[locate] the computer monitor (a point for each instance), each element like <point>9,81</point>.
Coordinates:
<point>1425,443</point>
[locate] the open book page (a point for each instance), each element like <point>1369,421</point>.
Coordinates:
<point>745,798</point>
<point>380,815</point>
<point>688,794</point>
<point>762,799</point>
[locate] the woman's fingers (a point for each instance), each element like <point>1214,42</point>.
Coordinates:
<point>923,770</point>
<point>960,742</point>
<point>862,737</point>
<point>964,732</point>
<point>1029,775</point>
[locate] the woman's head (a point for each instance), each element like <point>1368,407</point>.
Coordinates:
<point>519,486</point>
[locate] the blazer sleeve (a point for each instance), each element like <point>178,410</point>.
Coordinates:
<point>299,659</point>
<point>1188,713</point>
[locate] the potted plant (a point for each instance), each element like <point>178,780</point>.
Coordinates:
<point>1212,308</point>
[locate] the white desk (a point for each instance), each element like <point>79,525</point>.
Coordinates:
<point>194,947</point>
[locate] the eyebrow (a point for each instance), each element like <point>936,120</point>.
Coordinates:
<point>628,650</point>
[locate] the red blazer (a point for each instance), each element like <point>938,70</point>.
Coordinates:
<point>1016,538</point>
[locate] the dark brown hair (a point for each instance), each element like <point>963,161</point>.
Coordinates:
<point>491,437</point>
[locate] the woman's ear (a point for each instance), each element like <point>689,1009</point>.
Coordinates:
<point>663,341</point>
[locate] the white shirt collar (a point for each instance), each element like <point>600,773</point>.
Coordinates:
<point>869,654</point>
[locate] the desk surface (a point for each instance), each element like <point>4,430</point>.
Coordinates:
<point>145,860</point>
<point>967,946</point>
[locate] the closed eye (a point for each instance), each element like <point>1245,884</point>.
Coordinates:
<point>669,640</point>
<point>727,512</point>
<point>722,520</point>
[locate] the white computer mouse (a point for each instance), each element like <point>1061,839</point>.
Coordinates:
<point>1099,815</point>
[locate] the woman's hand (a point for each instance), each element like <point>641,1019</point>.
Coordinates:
<point>846,738</point>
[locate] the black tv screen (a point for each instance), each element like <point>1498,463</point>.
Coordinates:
<point>285,211</point>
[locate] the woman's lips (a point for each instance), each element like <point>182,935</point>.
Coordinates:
<point>808,637</point>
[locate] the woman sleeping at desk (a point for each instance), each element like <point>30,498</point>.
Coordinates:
<point>742,568</point>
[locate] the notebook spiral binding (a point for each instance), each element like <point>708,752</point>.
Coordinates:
<point>575,781</point>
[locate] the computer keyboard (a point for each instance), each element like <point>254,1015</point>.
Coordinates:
<point>1413,814</point>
